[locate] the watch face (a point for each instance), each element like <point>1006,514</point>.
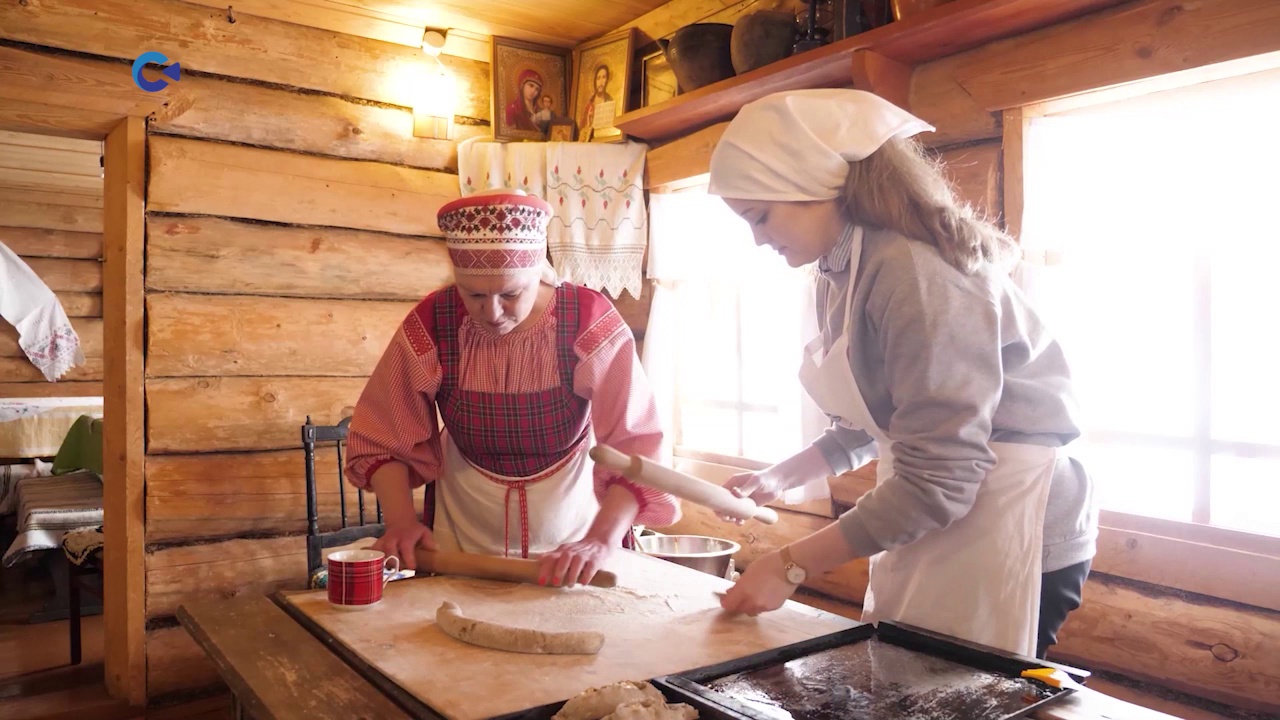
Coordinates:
<point>795,575</point>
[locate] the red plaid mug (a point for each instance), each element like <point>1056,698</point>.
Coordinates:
<point>356,577</point>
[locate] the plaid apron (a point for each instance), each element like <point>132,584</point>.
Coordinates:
<point>513,441</point>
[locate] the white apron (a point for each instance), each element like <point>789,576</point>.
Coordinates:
<point>479,512</point>
<point>977,579</point>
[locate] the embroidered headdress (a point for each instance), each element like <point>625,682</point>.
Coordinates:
<point>496,232</point>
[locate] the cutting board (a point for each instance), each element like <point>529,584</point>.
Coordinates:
<point>661,619</point>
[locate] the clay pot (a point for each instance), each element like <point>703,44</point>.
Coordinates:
<point>699,54</point>
<point>761,38</point>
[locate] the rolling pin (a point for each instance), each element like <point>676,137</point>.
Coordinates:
<point>709,495</point>
<point>488,567</point>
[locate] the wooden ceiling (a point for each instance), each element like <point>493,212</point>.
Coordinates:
<point>46,166</point>
<point>563,23</point>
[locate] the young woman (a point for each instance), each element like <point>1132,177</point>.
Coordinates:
<point>524,371</point>
<point>981,525</point>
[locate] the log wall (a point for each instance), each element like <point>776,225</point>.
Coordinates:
<point>60,236</point>
<point>290,227</point>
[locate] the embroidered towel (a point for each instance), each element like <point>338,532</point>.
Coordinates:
<point>598,233</point>
<point>485,165</point>
<point>44,332</point>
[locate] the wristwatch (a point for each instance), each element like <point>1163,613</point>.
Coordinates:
<point>794,573</point>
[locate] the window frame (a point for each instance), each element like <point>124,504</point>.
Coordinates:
<point>1224,544</point>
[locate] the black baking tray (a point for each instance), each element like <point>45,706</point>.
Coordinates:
<point>887,671</point>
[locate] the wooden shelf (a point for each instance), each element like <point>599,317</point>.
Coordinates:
<point>948,29</point>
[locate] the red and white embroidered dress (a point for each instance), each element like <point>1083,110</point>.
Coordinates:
<point>519,409</point>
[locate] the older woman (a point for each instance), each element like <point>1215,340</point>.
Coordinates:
<point>524,371</point>
<point>981,525</point>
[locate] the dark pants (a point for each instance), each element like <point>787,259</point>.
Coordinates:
<point>1059,595</point>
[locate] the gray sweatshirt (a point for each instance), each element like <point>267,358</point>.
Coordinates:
<point>947,362</point>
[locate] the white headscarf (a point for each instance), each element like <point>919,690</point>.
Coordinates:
<point>797,145</point>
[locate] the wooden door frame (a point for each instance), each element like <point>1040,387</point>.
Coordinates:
<point>123,446</point>
<point>80,98</point>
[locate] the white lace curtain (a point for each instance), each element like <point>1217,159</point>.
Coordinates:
<point>702,259</point>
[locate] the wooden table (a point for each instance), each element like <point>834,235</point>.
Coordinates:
<point>281,661</point>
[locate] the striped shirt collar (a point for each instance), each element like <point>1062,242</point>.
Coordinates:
<point>838,259</point>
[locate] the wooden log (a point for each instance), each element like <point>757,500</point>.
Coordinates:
<point>82,158</point>
<point>684,160</point>
<point>1133,42</point>
<point>21,370</point>
<point>19,213</point>
<point>253,48</point>
<point>211,255</point>
<point>847,582</point>
<point>73,275</point>
<point>36,242</point>
<point>202,517</point>
<point>195,335</point>
<point>191,176</point>
<point>81,304</point>
<point>89,330</point>
<point>305,122</point>
<point>1221,572</point>
<point>44,389</point>
<point>176,663</point>
<point>221,495</point>
<point>403,28</point>
<point>1222,652</point>
<point>255,473</point>
<point>209,414</point>
<point>29,117</point>
<point>974,172</point>
<point>47,198</point>
<point>937,98</point>
<point>65,84</point>
<point>50,182</point>
<point>226,569</point>
<point>46,142</point>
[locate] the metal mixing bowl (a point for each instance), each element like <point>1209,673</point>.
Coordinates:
<point>710,555</point>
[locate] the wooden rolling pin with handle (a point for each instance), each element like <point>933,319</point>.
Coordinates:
<point>647,472</point>
<point>488,567</point>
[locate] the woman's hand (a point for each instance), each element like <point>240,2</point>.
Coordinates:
<point>763,587</point>
<point>761,487</point>
<point>573,563</point>
<point>401,541</point>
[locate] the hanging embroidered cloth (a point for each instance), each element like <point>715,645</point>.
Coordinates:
<point>484,165</point>
<point>598,233</point>
<point>44,332</point>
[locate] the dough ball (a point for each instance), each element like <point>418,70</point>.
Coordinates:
<point>596,703</point>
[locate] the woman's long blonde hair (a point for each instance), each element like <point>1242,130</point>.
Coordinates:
<point>901,189</point>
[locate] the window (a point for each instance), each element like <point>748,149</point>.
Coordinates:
<point>726,333</point>
<point>1155,220</point>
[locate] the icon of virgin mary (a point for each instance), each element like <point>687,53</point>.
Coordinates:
<point>524,106</point>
